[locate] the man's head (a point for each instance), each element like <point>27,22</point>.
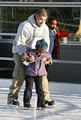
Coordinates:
<point>41,16</point>
<point>41,47</point>
<point>52,23</point>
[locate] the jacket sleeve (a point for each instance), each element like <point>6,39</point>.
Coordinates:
<point>21,38</point>
<point>46,37</point>
<point>62,33</point>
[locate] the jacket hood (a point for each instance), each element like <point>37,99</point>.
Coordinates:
<point>31,19</point>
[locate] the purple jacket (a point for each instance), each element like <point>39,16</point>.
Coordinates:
<point>37,68</point>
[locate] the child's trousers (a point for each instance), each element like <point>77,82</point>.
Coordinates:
<point>28,90</point>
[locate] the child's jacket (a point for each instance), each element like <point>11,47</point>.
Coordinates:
<point>37,68</point>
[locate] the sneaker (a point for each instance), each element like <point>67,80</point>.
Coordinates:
<point>14,102</point>
<point>50,103</point>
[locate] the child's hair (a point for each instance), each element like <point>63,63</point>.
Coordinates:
<point>41,44</point>
<point>50,19</point>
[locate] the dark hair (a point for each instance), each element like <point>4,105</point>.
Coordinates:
<point>50,19</point>
<point>42,12</point>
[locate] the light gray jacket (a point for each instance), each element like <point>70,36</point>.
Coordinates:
<point>27,35</point>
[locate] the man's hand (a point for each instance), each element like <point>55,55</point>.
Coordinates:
<point>31,58</point>
<point>24,57</point>
<point>27,58</point>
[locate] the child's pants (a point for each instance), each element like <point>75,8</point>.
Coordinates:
<point>28,90</point>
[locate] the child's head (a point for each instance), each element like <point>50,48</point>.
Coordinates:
<point>52,23</point>
<point>41,47</point>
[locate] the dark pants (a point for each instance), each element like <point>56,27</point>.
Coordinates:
<point>28,90</point>
<point>56,52</point>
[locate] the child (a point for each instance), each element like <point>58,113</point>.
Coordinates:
<point>55,39</point>
<point>34,72</point>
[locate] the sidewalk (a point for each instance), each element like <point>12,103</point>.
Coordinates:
<point>67,98</point>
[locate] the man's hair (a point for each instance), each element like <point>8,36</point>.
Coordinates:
<point>42,12</point>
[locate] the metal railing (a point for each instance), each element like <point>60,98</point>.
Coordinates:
<point>40,4</point>
<point>7,34</point>
<point>54,61</point>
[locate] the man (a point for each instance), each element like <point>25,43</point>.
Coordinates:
<point>27,35</point>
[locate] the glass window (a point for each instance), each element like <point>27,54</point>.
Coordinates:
<point>10,17</point>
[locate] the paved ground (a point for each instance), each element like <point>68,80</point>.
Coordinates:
<point>67,98</point>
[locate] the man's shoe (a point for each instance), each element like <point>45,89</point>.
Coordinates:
<point>14,102</point>
<point>50,103</point>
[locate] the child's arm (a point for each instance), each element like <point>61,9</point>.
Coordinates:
<point>48,61</point>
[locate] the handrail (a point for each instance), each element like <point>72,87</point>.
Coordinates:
<point>7,34</point>
<point>40,4</point>
<point>54,61</point>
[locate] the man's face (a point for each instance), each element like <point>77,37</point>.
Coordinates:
<point>52,24</point>
<point>40,20</point>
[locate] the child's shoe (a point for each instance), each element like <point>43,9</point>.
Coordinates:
<point>41,106</point>
<point>27,106</point>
